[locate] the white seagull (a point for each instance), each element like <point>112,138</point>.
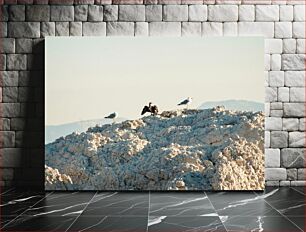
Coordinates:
<point>112,116</point>
<point>186,102</point>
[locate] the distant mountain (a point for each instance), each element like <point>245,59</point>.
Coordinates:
<point>241,105</point>
<point>54,132</point>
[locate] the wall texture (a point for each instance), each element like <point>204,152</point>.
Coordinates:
<point>25,23</point>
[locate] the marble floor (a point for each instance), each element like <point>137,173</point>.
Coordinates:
<point>274,210</point>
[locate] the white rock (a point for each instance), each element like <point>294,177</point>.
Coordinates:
<point>194,2</point>
<point>246,13</point>
<point>55,180</point>
<point>222,13</point>
<point>110,13</point>
<point>75,29</point>
<point>134,154</point>
<point>265,29</point>
<point>302,174</point>
<point>154,13</point>
<point>298,30</point>
<point>62,28</point>
<point>266,74</point>
<point>297,94</point>
<point>274,183</point>
<point>267,62</point>
<point>298,183</point>
<point>273,46</point>
<point>267,139</point>
<point>95,13</point>
<point>295,78</point>
<point>209,2</point>
<point>278,2</point>
<point>141,29</point>
<point>230,29</point>
<point>175,13</point>
<point>276,62</point>
<point>197,13</point>
<point>289,46</point>
<point>120,29</point>
<point>300,48</point>
<point>131,13</point>
<point>267,109</point>
<point>276,105</point>
<point>277,113</point>
<point>230,2</point>
<point>296,139</point>
<point>294,2</point>
<point>272,158</point>
<point>286,13</point>
<point>279,139</point>
<point>293,157</point>
<point>271,94</point>
<point>283,94</point>
<point>284,183</point>
<point>94,29</point>
<point>277,78</point>
<point>211,29</point>
<point>47,29</point>
<point>294,110</point>
<point>302,124</point>
<point>267,13</point>
<point>273,123</point>
<point>165,29</point>
<point>283,30</point>
<point>290,124</point>
<point>293,61</point>
<point>191,29</point>
<point>299,13</point>
<point>276,174</point>
<point>257,2</point>
<point>173,2</point>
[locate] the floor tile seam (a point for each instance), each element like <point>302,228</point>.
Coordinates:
<point>284,215</point>
<point>298,191</point>
<point>81,213</point>
<point>215,211</point>
<point>149,208</point>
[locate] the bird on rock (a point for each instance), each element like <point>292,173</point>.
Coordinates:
<point>112,116</point>
<point>186,102</point>
<point>153,109</point>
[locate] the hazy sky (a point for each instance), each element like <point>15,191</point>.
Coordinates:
<point>90,77</point>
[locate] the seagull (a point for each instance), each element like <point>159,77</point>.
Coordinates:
<point>186,102</point>
<point>112,116</point>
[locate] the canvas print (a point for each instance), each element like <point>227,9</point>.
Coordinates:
<point>154,113</point>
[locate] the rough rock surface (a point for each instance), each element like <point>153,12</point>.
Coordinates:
<point>214,149</point>
<point>54,180</point>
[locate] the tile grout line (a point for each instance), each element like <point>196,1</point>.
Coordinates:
<point>14,219</point>
<point>82,212</point>
<point>298,191</point>
<point>215,210</point>
<point>149,211</point>
<point>281,213</point>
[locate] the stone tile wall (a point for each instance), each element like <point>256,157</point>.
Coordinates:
<point>25,23</point>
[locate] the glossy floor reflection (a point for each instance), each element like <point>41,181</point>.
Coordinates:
<point>275,209</point>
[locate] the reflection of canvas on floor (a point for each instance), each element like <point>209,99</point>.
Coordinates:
<point>150,136</point>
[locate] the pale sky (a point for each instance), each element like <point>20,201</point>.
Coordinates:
<point>90,77</point>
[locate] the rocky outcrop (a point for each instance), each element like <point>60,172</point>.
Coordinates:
<point>214,149</point>
<point>55,181</point>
